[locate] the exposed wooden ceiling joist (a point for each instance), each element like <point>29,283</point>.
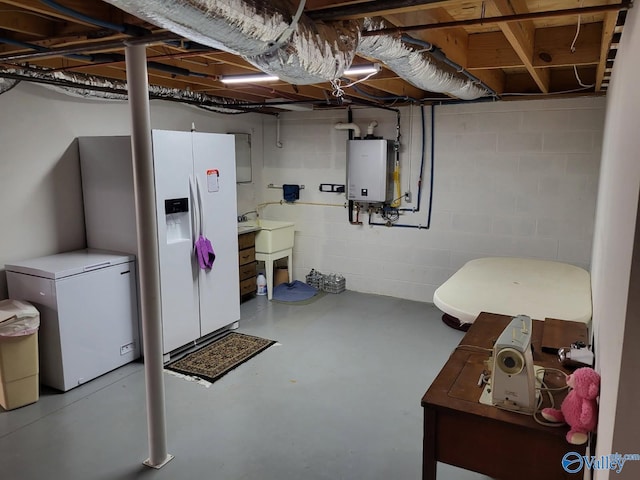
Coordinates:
<point>513,46</point>
<point>500,18</point>
<point>521,37</point>
<point>99,10</point>
<point>372,9</point>
<point>22,21</point>
<point>551,48</point>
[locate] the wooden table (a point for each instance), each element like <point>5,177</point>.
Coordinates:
<point>460,431</point>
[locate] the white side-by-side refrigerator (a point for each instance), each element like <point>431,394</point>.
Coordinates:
<point>195,185</point>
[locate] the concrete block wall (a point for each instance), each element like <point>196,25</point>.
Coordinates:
<point>515,178</point>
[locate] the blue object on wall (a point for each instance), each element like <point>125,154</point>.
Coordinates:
<point>291,193</point>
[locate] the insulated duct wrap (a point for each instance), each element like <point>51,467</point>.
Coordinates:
<point>89,86</point>
<point>87,94</point>
<point>414,66</point>
<point>274,38</point>
<point>315,53</point>
<point>242,27</point>
<point>269,35</point>
<point>7,84</point>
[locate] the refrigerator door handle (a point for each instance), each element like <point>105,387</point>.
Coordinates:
<point>200,208</point>
<point>194,212</point>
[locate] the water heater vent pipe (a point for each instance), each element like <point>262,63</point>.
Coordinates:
<point>349,126</point>
<point>370,128</point>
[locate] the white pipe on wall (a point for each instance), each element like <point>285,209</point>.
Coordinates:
<point>349,126</point>
<point>371,126</point>
<point>148,266</point>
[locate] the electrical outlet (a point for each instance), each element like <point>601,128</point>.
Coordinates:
<point>126,349</point>
<point>407,197</point>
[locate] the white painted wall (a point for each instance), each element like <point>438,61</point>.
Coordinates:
<point>40,186</point>
<point>616,312</point>
<point>511,179</point>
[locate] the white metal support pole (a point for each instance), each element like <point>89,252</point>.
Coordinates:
<point>144,186</point>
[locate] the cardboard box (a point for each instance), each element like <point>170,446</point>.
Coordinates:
<point>280,275</point>
<point>19,379</point>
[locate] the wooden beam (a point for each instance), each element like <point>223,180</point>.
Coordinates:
<point>608,30</point>
<point>521,83</point>
<point>313,92</point>
<point>100,10</point>
<point>373,9</point>
<point>561,80</point>
<point>247,94</point>
<point>395,87</point>
<point>496,79</point>
<point>452,42</point>
<point>490,51</point>
<point>20,22</point>
<point>224,58</point>
<point>485,21</point>
<point>565,79</point>
<point>111,73</point>
<point>89,47</point>
<point>118,71</point>
<point>553,46</point>
<point>521,37</point>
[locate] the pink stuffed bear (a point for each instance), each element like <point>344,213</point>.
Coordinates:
<point>579,409</point>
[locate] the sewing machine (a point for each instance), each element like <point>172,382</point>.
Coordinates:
<point>513,376</point>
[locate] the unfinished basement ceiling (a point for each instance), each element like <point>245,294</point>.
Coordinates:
<point>517,49</point>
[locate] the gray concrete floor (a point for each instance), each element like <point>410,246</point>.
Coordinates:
<point>337,398</point>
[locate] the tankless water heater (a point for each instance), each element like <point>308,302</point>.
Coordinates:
<point>370,170</point>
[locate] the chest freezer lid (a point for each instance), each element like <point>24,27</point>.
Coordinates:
<point>67,264</point>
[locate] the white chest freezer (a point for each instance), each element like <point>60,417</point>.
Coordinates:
<point>88,312</point>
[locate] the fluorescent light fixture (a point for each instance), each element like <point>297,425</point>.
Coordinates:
<point>354,70</point>
<point>362,69</point>
<point>249,78</point>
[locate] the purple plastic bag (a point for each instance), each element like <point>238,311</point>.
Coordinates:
<point>205,253</point>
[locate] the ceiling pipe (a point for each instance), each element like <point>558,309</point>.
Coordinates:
<point>133,30</point>
<point>417,66</point>
<point>110,58</point>
<point>120,60</point>
<point>438,54</point>
<point>357,10</point>
<point>158,37</point>
<point>519,17</point>
<point>40,48</point>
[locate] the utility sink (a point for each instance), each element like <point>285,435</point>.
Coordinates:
<point>244,228</point>
<point>273,235</point>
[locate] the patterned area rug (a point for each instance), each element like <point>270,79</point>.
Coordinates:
<point>220,357</point>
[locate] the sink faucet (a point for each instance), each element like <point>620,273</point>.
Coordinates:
<point>243,217</point>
